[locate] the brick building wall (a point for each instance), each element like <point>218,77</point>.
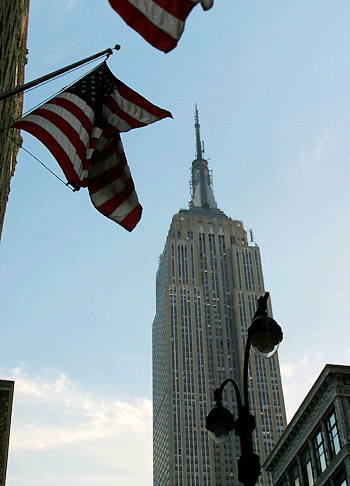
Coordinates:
<point>13,51</point>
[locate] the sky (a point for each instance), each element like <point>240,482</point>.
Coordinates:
<point>271,80</point>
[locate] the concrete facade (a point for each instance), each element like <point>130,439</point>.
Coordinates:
<point>314,450</point>
<point>13,51</point>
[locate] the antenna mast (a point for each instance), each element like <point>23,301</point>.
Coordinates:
<point>199,148</point>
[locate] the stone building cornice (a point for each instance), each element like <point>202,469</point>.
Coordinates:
<point>333,381</point>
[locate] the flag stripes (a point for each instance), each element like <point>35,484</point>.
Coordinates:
<point>81,128</point>
<point>110,184</point>
<point>159,22</point>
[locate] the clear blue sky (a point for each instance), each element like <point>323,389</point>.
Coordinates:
<point>271,80</point>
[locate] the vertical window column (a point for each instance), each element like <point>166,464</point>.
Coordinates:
<point>182,261</point>
<point>248,269</point>
<point>320,452</point>
<point>173,277</point>
<point>239,270</point>
<point>332,435</point>
<point>193,275</point>
<point>306,467</point>
<point>257,269</point>
<point>294,475</point>
<point>312,457</point>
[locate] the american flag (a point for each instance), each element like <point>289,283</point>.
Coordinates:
<point>81,127</point>
<point>160,22</point>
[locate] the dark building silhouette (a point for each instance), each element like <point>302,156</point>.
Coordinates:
<point>6,398</point>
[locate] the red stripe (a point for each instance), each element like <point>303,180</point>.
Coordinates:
<point>131,220</point>
<point>139,22</point>
<point>74,109</point>
<point>110,140</point>
<point>112,147</point>
<point>98,183</point>
<point>65,127</point>
<point>109,176</point>
<point>108,207</point>
<point>109,132</point>
<point>131,95</point>
<point>177,8</point>
<point>93,143</point>
<point>55,148</point>
<point>115,108</point>
<point>101,180</point>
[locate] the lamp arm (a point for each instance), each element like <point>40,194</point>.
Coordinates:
<point>219,391</point>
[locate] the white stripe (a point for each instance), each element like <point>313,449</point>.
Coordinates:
<point>125,208</point>
<point>71,119</point>
<point>131,109</point>
<point>160,17</point>
<point>115,120</point>
<point>62,140</point>
<point>112,189</point>
<point>101,141</point>
<point>99,167</point>
<point>79,102</point>
<point>96,133</point>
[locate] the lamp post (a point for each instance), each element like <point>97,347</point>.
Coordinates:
<point>264,334</point>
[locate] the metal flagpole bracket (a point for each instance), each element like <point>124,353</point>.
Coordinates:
<point>107,52</point>
<point>115,48</point>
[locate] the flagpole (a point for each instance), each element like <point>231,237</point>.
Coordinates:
<point>47,77</point>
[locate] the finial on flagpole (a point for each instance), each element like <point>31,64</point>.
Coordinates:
<point>110,51</point>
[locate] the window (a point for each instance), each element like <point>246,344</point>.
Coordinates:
<point>320,452</point>
<point>283,481</point>
<point>294,475</point>
<point>306,467</point>
<point>333,436</point>
<point>340,479</point>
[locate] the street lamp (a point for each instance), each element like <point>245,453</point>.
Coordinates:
<point>264,335</point>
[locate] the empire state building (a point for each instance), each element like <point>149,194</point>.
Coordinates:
<point>208,282</point>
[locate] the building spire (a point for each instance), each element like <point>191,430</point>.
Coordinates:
<point>201,185</point>
<point>199,148</point>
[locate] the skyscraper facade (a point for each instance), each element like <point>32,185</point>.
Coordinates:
<point>208,282</point>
